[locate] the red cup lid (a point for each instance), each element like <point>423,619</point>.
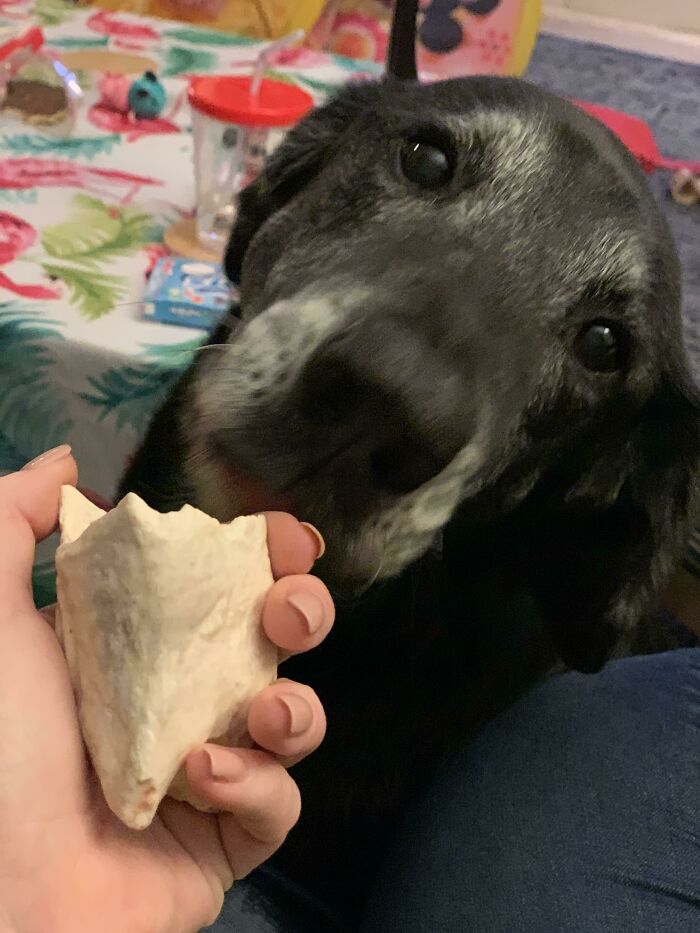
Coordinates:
<point>227,98</point>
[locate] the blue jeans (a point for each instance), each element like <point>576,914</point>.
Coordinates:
<point>577,811</point>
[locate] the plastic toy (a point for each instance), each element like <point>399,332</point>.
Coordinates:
<point>146,97</point>
<point>34,86</point>
<point>455,37</point>
<point>113,109</point>
<point>114,92</point>
<point>685,188</point>
<point>638,137</point>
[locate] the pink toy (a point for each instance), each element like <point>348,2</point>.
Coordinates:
<point>114,93</point>
<point>454,37</point>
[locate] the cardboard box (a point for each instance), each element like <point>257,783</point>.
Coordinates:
<point>187,292</point>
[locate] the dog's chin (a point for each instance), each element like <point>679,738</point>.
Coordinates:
<point>248,495</point>
<point>353,558</point>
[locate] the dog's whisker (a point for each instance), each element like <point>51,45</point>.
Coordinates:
<point>208,346</point>
<point>375,576</point>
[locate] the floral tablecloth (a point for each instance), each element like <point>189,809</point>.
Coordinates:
<point>81,221</point>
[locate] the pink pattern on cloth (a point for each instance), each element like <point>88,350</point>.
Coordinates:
<point>7,11</point>
<point>107,25</point>
<point>24,174</point>
<point>16,236</point>
<point>129,45</point>
<point>116,121</point>
<point>299,57</point>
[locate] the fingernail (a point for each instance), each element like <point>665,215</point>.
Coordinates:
<point>225,765</point>
<point>310,608</point>
<point>51,456</point>
<point>319,543</point>
<point>299,713</point>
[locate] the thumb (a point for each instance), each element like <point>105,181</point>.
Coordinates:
<point>29,503</point>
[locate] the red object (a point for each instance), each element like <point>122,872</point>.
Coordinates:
<point>108,25</point>
<point>107,118</point>
<point>637,136</point>
<point>23,174</point>
<point>227,98</point>
<point>16,236</point>
<point>154,252</point>
<point>114,92</point>
<point>32,39</point>
<point>36,292</point>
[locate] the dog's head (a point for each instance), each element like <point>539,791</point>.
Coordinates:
<point>450,291</point>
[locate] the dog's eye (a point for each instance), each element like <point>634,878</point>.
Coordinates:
<point>601,347</point>
<point>425,165</point>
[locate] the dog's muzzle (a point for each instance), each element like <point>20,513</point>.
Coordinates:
<point>378,388</point>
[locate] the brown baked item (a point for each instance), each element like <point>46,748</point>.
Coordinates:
<point>36,102</point>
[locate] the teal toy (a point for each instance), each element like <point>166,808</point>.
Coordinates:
<point>146,97</point>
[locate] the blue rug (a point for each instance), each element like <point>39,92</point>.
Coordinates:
<point>664,93</point>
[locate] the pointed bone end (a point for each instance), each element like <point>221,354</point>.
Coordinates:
<point>76,514</point>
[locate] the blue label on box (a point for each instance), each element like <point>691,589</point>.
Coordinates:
<point>187,292</point>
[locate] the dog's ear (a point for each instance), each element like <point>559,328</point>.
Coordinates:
<point>298,159</point>
<point>604,555</point>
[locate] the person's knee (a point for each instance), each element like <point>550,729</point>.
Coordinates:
<point>575,810</point>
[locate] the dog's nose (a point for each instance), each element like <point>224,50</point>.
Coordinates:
<point>397,404</point>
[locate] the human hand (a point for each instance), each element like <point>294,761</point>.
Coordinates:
<point>66,862</point>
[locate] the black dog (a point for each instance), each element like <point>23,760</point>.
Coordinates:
<point>460,357</point>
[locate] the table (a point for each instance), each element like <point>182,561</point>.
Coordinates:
<point>81,220</point>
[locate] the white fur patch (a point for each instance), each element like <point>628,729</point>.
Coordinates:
<point>271,348</point>
<point>411,523</point>
<point>264,358</point>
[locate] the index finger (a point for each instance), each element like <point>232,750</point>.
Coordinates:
<point>294,546</point>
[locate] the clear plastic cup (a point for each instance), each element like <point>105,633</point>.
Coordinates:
<point>234,131</point>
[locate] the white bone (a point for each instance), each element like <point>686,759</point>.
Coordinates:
<point>159,618</point>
